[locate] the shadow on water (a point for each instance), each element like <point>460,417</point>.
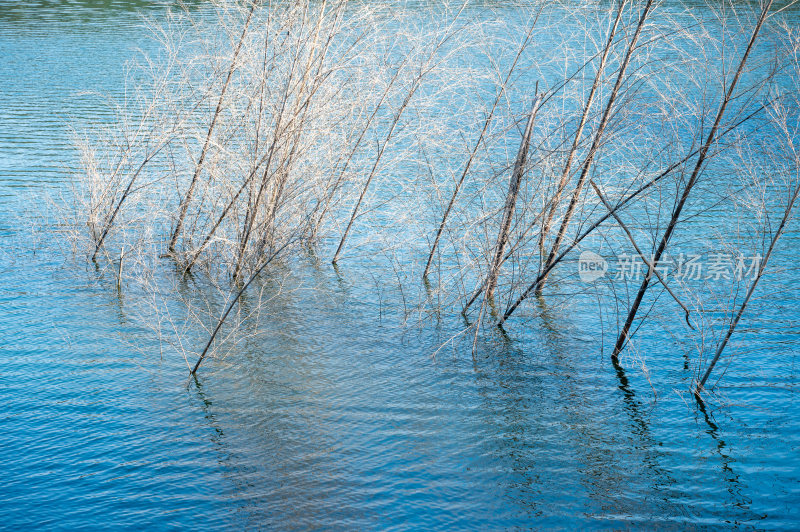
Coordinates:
<point>550,413</point>
<point>272,397</point>
<point>310,415</point>
<point>733,483</point>
<point>225,456</point>
<point>616,452</point>
<point>218,439</point>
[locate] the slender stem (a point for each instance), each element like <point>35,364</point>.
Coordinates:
<point>639,250</point>
<point>576,193</point>
<point>781,228</point>
<point>553,204</point>
<point>537,282</point>
<point>624,333</point>
<point>187,198</point>
<point>232,304</point>
<point>475,148</point>
<point>511,199</point>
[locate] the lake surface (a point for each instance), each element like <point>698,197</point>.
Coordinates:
<point>334,417</point>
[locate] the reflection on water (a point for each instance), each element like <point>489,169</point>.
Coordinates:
<point>331,417</point>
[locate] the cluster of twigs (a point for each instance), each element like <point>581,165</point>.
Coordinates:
<point>272,128</point>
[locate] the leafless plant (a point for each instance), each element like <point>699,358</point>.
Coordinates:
<point>267,129</point>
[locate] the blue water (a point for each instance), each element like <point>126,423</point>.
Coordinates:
<point>333,416</point>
